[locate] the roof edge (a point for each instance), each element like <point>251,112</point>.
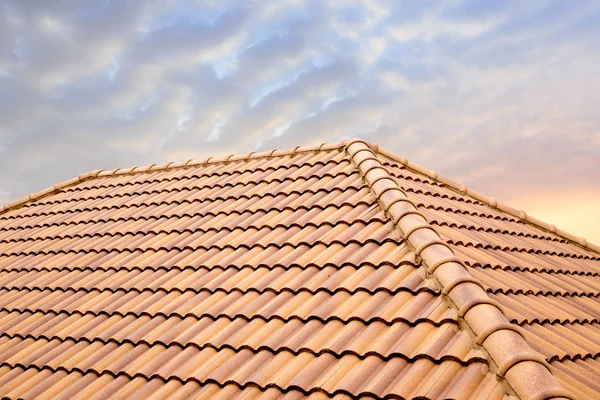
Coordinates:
<point>492,202</point>
<point>49,191</point>
<point>524,369</point>
<point>171,165</point>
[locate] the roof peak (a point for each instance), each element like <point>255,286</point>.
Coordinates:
<point>490,201</point>
<point>523,368</point>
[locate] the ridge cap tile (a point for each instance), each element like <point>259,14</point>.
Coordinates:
<point>311,271</point>
<point>170,165</point>
<point>372,147</point>
<point>505,347</point>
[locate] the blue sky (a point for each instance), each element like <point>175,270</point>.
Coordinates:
<point>499,95</point>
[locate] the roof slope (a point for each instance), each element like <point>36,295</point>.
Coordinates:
<point>546,281</point>
<point>332,271</point>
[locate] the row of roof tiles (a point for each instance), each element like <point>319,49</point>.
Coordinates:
<point>507,346</point>
<point>348,278</point>
<point>299,150</point>
<point>411,342</point>
<point>447,381</point>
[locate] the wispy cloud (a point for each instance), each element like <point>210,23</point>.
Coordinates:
<point>498,95</point>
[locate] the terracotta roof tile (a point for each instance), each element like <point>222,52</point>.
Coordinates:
<point>543,281</point>
<point>334,271</point>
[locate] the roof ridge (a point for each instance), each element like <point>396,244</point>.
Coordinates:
<point>490,201</point>
<point>524,369</point>
<point>169,166</point>
<point>462,189</point>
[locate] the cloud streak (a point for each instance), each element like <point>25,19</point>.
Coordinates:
<point>499,95</point>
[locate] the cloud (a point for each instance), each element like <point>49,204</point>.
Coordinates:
<point>499,95</point>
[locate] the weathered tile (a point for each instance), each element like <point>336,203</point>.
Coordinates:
<point>274,277</point>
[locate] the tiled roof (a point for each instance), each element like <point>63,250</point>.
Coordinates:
<point>334,271</point>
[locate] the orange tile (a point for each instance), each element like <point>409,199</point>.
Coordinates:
<point>277,276</point>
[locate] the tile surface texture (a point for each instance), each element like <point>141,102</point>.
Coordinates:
<point>338,271</point>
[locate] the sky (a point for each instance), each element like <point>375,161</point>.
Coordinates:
<point>502,96</point>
